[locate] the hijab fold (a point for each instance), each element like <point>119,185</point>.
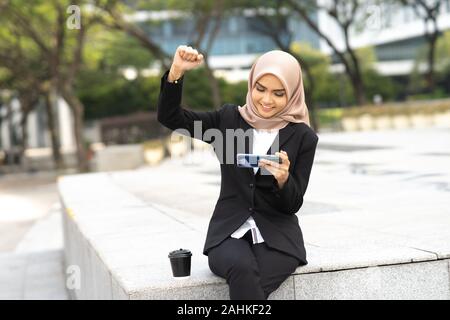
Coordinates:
<point>287,69</point>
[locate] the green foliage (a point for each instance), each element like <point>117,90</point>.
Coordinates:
<point>443,51</point>
<point>438,93</point>
<point>330,89</point>
<point>335,89</point>
<point>111,50</point>
<point>366,58</point>
<point>234,92</point>
<point>197,90</point>
<point>100,84</point>
<point>330,115</point>
<point>110,94</point>
<point>442,68</point>
<point>377,84</point>
<point>5,77</point>
<point>21,60</point>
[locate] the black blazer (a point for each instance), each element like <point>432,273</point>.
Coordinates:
<point>242,193</point>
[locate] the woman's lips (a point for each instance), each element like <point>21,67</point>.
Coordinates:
<point>266,109</point>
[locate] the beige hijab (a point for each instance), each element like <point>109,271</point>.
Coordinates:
<point>287,69</point>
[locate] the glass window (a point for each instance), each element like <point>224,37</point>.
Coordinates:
<point>233,25</point>
<point>181,26</point>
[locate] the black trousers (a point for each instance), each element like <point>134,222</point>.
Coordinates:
<point>252,271</point>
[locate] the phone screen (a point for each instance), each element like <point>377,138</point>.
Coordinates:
<point>246,160</point>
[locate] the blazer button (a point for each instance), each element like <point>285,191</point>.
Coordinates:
<point>250,209</point>
<point>251,185</point>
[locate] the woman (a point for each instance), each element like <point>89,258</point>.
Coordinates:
<point>254,240</point>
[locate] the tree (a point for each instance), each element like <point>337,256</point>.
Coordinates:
<point>344,13</point>
<point>206,15</point>
<point>283,39</point>
<point>443,52</point>
<point>114,17</point>
<point>106,53</point>
<point>28,77</point>
<point>428,11</point>
<point>45,24</point>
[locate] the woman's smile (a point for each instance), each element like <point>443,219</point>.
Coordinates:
<point>266,108</point>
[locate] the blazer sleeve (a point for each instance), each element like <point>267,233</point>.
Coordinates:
<point>291,195</point>
<point>173,116</point>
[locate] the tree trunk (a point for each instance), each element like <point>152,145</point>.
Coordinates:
<point>273,29</point>
<point>310,100</point>
<point>10,152</point>
<point>431,59</point>
<point>359,90</point>
<point>355,72</point>
<point>23,124</point>
<point>309,91</point>
<point>201,27</point>
<point>51,100</point>
<point>78,114</point>
<point>351,67</point>
<point>1,120</point>
<point>27,102</point>
<point>214,83</point>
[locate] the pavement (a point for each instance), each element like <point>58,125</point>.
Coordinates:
<point>32,276</point>
<point>30,238</point>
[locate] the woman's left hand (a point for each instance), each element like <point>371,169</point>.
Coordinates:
<point>279,170</point>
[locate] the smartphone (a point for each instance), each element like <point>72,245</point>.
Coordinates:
<point>247,160</point>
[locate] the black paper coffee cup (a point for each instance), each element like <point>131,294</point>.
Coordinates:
<point>180,260</point>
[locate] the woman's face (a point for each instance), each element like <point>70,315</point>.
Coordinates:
<point>269,96</point>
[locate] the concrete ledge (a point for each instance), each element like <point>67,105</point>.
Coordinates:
<point>119,157</point>
<point>121,242</point>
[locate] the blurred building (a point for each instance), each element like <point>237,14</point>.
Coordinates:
<point>238,42</point>
<point>37,128</point>
<point>395,31</point>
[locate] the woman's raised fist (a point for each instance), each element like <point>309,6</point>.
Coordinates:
<point>185,58</point>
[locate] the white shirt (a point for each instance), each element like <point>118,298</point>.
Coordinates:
<point>262,140</point>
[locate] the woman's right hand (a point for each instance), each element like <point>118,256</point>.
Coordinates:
<point>185,58</point>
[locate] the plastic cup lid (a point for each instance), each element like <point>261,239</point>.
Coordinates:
<point>180,253</point>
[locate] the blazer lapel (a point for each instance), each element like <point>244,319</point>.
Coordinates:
<point>247,128</point>
<point>283,136</point>
<point>248,146</point>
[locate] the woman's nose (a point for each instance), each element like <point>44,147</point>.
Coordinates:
<point>267,99</point>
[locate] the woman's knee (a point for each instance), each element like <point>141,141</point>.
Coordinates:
<point>214,263</point>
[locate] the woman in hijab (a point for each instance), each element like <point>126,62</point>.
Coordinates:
<point>254,240</point>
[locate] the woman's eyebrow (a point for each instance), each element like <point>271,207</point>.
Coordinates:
<point>266,88</point>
